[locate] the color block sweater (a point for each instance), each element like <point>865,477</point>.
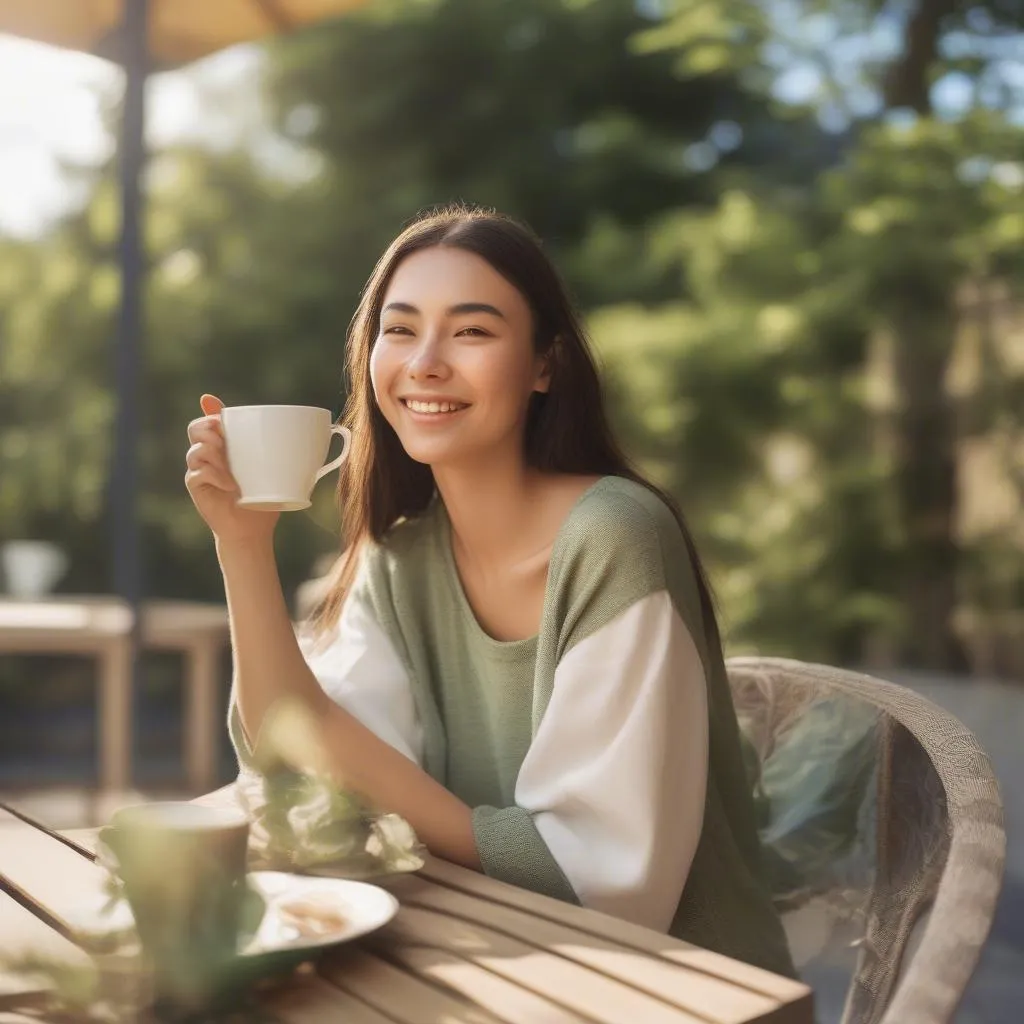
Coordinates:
<point>601,757</point>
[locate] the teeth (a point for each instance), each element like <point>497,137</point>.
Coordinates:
<point>433,407</point>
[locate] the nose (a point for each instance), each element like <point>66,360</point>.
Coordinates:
<point>426,361</point>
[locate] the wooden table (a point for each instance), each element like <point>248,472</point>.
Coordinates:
<point>100,627</point>
<point>464,949</point>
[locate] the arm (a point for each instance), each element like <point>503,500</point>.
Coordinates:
<point>269,666</point>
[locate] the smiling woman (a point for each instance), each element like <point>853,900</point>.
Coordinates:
<point>519,655</point>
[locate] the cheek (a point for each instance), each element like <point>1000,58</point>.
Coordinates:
<point>505,377</point>
<point>381,372</point>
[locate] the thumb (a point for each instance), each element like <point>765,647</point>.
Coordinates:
<point>210,404</point>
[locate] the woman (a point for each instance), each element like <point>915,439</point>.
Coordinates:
<point>520,654</point>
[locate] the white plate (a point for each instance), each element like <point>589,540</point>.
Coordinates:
<point>360,906</point>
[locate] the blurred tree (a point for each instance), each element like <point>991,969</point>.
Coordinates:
<point>924,197</point>
<point>55,317</point>
<point>538,107</point>
<point>743,260</point>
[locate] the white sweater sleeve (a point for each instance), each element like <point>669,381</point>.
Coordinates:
<point>359,669</point>
<point>616,775</point>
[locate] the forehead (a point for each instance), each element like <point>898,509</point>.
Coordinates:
<point>440,277</point>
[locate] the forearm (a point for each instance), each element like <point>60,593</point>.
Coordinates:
<point>362,761</point>
<point>268,664</point>
<point>270,667</point>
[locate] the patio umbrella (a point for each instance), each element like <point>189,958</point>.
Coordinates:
<point>178,31</point>
<point>142,35</point>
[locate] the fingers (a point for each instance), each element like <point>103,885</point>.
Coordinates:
<point>206,429</point>
<point>208,459</point>
<point>209,476</point>
<point>204,454</point>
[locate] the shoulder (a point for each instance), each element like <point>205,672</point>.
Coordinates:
<point>620,544</point>
<point>618,522</point>
<point>615,502</point>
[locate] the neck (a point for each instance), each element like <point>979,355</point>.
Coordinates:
<point>489,505</point>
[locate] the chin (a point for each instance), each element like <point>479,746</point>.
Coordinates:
<point>429,454</point>
<point>442,455</point>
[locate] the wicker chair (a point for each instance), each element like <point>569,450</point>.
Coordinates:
<point>930,824</point>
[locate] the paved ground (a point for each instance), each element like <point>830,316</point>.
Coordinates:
<point>993,711</point>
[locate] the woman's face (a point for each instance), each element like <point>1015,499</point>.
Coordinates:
<point>454,366</point>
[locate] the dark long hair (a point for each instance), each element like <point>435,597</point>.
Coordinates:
<point>567,429</point>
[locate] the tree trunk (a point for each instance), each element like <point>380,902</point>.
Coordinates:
<point>908,82</point>
<point>925,328</point>
<point>926,484</point>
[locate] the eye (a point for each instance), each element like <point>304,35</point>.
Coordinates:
<point>395,329</point>
<point>473,332</point>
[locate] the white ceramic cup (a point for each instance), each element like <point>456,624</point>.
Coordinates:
<point>32,567</point>
<point>276,453</point>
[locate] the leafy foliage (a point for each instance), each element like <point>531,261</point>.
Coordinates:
<point>778,282</point>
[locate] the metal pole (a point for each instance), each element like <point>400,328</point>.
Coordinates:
<point>128,576</point>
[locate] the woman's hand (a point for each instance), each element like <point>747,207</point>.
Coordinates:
<point>212,487</point>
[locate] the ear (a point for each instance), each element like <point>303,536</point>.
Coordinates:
<point>542,382</point>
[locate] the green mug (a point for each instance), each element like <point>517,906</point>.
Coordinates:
<point>182,868</point>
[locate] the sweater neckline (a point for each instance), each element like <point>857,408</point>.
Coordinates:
<point>511,648</point>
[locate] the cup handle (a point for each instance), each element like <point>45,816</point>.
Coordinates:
<point>346,435</point>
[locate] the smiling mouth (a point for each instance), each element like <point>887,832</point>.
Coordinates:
<point>433,408</point>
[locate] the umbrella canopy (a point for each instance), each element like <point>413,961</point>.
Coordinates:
<point>179,30</point>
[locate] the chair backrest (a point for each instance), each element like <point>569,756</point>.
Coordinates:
<point>933,826</point>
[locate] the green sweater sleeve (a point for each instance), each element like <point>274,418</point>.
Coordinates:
<point>512,850</point>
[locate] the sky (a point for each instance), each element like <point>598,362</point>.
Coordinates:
<point>51,110</point>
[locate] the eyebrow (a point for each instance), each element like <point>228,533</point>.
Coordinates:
<point>457,310</point>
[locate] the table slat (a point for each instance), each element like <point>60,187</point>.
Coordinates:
<point>312,1000</point>
<point>511,1003</point>
<point>54,876</point>
<point>703,995</point>
<point>398,994</point>
<point>587,992</point>
<point>624,933</point>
